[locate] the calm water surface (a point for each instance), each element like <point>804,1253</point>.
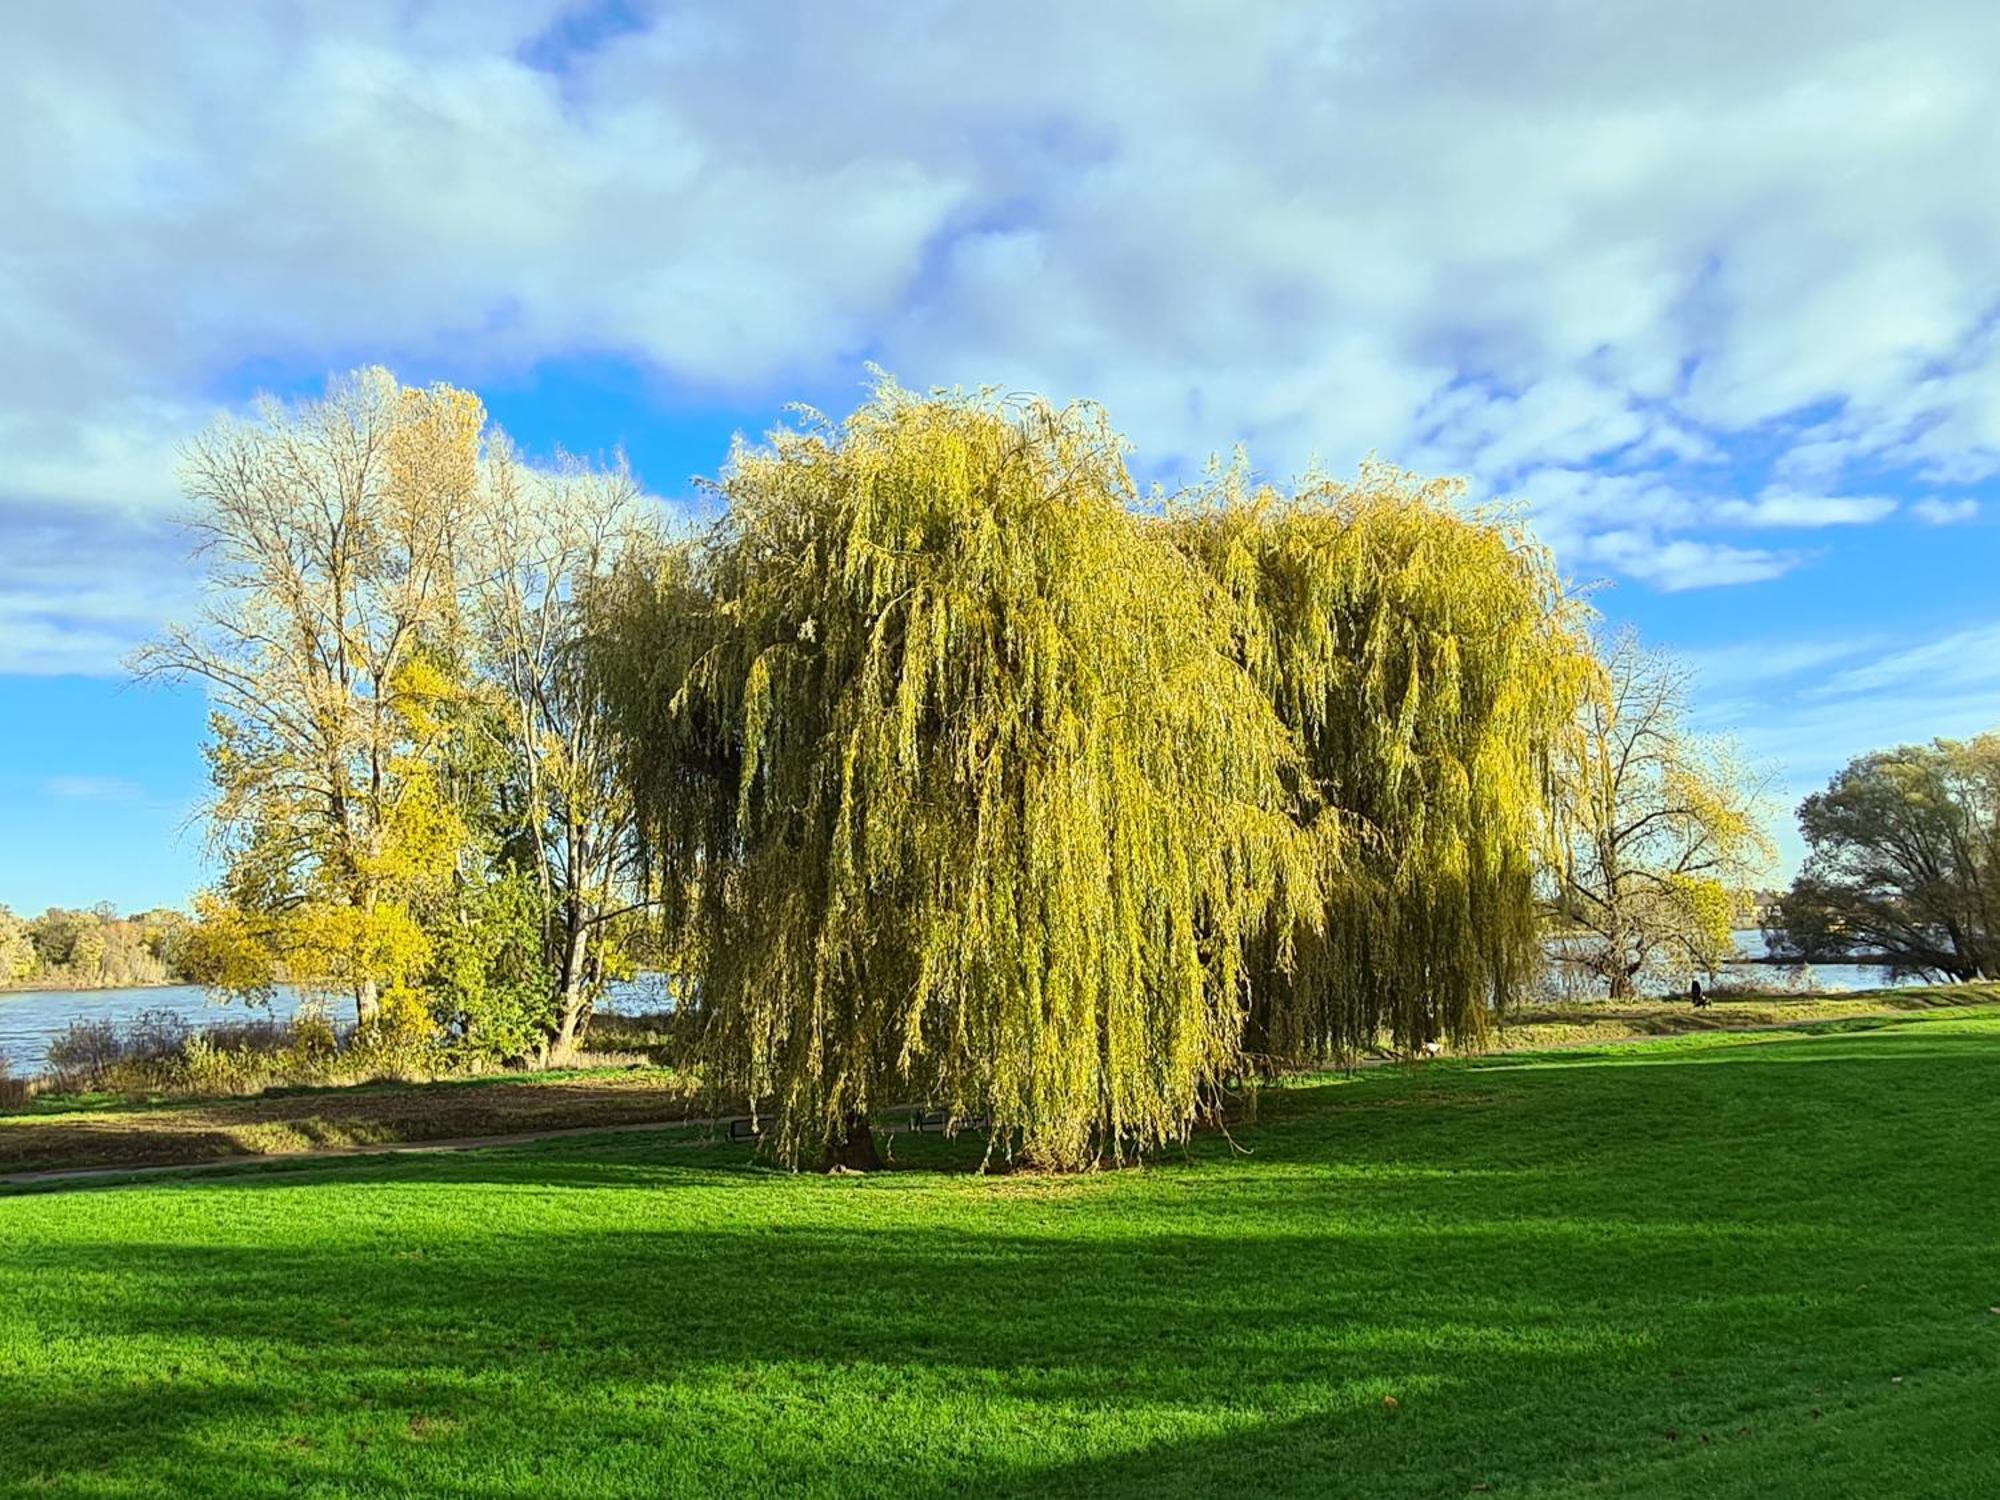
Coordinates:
<point>1829,978</point>
<point>29,1018</point>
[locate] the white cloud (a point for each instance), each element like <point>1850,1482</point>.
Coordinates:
<point>1684,563</point>
<point>1965,661</point>
<point>1634,523</point>
<point>1937,512</point>
<point>93,789</point>
<point>1557,240</point>
<point>81,586</point>
<point>1782,508</point>
<point>1788,707</point>
<point>1756,664</point>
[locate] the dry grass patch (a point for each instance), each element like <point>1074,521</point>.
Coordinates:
<point>280,1123</point>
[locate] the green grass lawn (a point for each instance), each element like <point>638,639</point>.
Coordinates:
<point>1713,1265</point>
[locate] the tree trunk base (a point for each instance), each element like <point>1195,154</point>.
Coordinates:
<point>854,1151</point>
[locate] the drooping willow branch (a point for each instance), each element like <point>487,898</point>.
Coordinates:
<point>967,783</point>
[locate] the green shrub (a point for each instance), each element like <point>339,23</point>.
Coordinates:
<point>208,1068</point>
<point>490,991</point>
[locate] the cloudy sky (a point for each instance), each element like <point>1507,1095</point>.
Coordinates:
<point>1713,288</point>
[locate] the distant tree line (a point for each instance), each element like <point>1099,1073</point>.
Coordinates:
<point>92,948</point>
<point>944,768</point>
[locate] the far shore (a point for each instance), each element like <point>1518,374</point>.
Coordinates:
<point>39,988</point>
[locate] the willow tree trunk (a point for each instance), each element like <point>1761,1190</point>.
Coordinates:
<point>853,1148</point>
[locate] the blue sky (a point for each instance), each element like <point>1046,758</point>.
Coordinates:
<point>1712,289</point>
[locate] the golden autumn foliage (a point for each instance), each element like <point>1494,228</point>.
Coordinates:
<point>1662,826</point>
<point>958,777</point>
<point>1431,666</point>
<point>410,789</point>
<point>329,649</point>
<point>229,948</point>
<point>954,788</point>
<point>969,785</point>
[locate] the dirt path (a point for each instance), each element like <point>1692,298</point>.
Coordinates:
<point>291,1124</point>
<point>82,1175</point>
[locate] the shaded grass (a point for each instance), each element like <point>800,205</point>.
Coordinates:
<point>1716,1265</point>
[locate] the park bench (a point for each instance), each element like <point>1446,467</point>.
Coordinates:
<point>933,1121</point>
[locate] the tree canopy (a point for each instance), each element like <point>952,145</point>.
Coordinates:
<point>955,789</point>
<point>412,806</point>
<point>1664,830</point>
<point>91,948</point>
<point>957,773</point>
<point>970,782</point>
<point>1903,861</point>
<point>1431,666</point>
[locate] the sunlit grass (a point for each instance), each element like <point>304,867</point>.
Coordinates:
<point>1605,1021</point>
<point>1715,1265</point>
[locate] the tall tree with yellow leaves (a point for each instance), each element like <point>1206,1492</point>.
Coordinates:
<point>544,539</point>
<point>1663,828</point>
<point>1432,665</point>
<point>331,649</point>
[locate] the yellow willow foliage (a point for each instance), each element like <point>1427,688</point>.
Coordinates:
<point>954,787</point>
<point>1432,665</point>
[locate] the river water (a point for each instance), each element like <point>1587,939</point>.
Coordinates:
<point>1825,978</point>
<point>30,1019</point>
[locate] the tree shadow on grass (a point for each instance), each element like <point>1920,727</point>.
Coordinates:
<point>1549,1281</point>
<point>762,1327</point>
<point>935,1356</point>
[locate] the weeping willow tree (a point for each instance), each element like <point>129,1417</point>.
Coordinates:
<point>1431,666</point>
<point>954,786</point>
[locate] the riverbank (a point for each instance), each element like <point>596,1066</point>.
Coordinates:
<point>1535,1028</point>
<point>56,1132</point>
<point>47,986</point>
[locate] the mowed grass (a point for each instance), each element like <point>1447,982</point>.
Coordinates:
<point>1715,1265</point>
